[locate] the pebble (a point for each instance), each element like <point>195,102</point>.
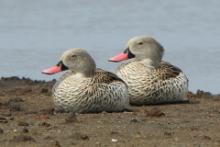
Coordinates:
<point>71,118</point>
<point>114,132</point>
<point>134,120</point>
<point>154,112</point>
<point>25,130</point>
<point>57,144</point>
<point>45,124</point>
<point>15,107</point>
<point>15,130</point>
<point>47,111</point>
<point>205,137</point>
<point>11,118</point>
<point>168,133</point>
<point>21,123</point>
<point>3,120</point>
<point>84,137</point>
<point>1,131</point>
<point>114,140</point>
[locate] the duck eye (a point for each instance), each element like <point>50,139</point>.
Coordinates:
<point>140,43</point>
<point>73,57</point>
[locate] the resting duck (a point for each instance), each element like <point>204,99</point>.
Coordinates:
<point>150,80</point>
<point>85,89</point>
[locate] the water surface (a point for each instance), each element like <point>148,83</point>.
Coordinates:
<point>34,33</point>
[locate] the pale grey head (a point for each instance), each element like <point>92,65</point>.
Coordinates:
<point>145,47</point>
<point>78,61</point>
<point>141,48</point>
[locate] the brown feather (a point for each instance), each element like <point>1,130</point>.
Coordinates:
<point>103,76</point>
<point>166,71</point>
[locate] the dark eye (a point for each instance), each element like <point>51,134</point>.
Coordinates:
<point>73,57</point>
<point>140,43</point>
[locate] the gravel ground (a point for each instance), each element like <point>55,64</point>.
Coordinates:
<point>27,119</point>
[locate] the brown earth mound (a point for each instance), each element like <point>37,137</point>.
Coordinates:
<point>27,119</point>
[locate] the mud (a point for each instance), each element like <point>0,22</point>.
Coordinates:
<point>27,119</point>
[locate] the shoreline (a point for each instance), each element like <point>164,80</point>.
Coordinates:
<point>198,93</point>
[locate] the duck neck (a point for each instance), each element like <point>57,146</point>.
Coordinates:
<point>88,69</point>
<point>89,73</point>
<point>150,62</point>
<point>84,74</point>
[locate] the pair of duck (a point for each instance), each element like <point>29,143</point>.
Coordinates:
<point>144,79</point>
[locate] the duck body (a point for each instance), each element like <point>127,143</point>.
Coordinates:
<point>150,80</point>
<point>102,92</point>
<point>86,89</point>
<point>150,85</point>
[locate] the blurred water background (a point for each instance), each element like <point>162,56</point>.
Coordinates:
<point>33,33</point>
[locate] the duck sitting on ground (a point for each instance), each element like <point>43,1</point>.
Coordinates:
<point>150,80</point>
<point>85,89</point>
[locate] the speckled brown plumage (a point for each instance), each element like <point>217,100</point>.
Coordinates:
<point>166,71</point>
<point>149,85</point>
<point>151,80</point>
<point>101,92</point>
<point>87,90</point>
<point>106,77</point>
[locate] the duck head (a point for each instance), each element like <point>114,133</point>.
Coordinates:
<point>141,48</point>
<point>77,60</point>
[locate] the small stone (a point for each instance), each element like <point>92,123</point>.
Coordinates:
<point>97,143</point>
<point>21,123</point>
<point>134,120</point>
<point>79,135</point>
<point>1,131</point>
<point>84,137</point>
<point>203,94</point>
<point>3,120</point>
<point>194,128</point>
<point>114,132</point>
<point>15,107</point>
<point>206,137</point>
<point>154,112</point>
<point>104,112</point>
<point>57,144</point>
<point>47,111</point>
<point>15,130</point>
<point>48,138</point>
<point>25,130</point>
<point>114,140</point>
<point>41,117</point>
<point>45,124</point>
<point>71,118</point>
<point>167,134</point>
<point>11,118</point>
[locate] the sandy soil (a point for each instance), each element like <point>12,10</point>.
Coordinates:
<point>27,119</point>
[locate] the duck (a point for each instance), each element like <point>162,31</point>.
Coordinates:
<point>83,88</point>
<point>150,80</point>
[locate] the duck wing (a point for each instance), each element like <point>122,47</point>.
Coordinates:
<point>166,71</point>
<point>106,77</point>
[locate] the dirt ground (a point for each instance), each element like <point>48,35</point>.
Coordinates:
<point>27,119</point>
